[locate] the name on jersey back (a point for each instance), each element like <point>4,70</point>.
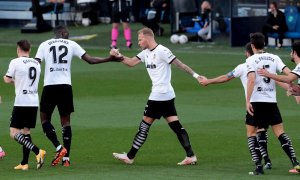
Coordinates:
<point>58,40</point>
<point>264,58</point>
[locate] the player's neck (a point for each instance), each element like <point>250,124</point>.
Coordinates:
<point>258,51</point>
<point>23,54</point>
<point>152,45</point>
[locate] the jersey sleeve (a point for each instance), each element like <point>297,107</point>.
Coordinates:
<point>237,72</point>
<point>250,65</point>
<point>296,71</point>
<point>78,50</point>
<point>39,54</point>
<point>167,55</point>
<point>141,56</point>
<point>280,65</point>
<point>11,70</point>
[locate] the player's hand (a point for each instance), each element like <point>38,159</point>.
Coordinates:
<point>204,81</point>
<point>263,72</point>
<point>293,90</point>
<point>201,80</point>
<point>250,108</point>
<point>115,52</point>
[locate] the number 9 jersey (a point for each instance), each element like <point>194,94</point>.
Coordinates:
<point>58,54</point>
<point>26,74</point>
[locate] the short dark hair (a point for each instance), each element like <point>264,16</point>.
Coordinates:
<point>258,40</point>
<point>249,49</point>
<point>61,32</point>
<point>296,48</point>
<point>24,45</point>
<point>274,4</point>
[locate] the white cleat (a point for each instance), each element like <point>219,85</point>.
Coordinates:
<point>123,157</point>
<point>188,161</point>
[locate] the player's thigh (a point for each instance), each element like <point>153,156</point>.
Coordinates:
<point>153,110</point>
<point>24,117</point>
<point>48,100</point>
<point>65,103</point>
<point>261,115</point>
<point>169,110</point>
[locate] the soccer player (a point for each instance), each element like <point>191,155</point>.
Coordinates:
<point>289,78</point>
<point>158,60</point>
<point>251,126</point>
<point>24,73</point>
<point>261,100</point>
<point>57,54</point>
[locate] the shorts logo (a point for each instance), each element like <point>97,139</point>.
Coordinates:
<point>51,69</point>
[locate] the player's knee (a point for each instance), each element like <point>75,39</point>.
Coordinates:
<point>13,132</point>
<point>175,126</point>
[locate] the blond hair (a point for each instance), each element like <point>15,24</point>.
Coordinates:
<point>146,31</point>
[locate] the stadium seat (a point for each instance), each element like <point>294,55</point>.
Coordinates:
<point>293,22</point>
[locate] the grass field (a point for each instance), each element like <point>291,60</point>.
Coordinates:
<point>109,101</point>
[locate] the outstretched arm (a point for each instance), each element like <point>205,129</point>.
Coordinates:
<point>187,69</point>
<point>288,78</point>
<point>217,80</point>
<point>96,60</point>
<point>130,62</point>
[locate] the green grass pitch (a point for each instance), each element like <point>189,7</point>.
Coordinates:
<point>109,102</point>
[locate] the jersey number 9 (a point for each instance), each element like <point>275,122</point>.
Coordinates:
<point>32,74</point>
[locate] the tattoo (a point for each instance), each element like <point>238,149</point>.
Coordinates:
<point>182,66</point>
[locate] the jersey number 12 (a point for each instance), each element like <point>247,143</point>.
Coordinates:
<point>63,51</point>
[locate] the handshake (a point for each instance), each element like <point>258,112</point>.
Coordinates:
<point>116,55</point>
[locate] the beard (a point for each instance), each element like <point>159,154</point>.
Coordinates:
<point>292,59</point>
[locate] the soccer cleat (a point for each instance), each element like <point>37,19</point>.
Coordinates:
<point>58,156</point>
<point>2,154</point>
<point>40,158</point>
<point>294,171</point>
<point>188,161</point>
<point>257,171</point>
<point>24,167</point>
<point>268,165</point>
<point>297,168</point>
<point>65,163</point>
<point>123,157</point>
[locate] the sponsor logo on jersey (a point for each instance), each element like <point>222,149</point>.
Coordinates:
<point>58,69</point>
<point>151,66</point>
<point>30,92</point>
<point>260,89</point>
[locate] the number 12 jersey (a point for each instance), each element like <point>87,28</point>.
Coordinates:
<point>58,54</point>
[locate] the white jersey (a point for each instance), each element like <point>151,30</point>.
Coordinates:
<point>241,72</point>
<point>26,74</point>
<point>264,88</point>
<point>296,71</point>
<point>58,54</point>
<point>158,63</point>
